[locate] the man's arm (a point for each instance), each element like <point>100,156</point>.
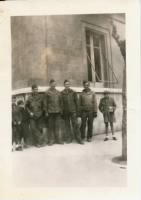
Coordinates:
<point>28,107</point>
<point>61,102</point>
<point>94,103</point>
<point>80,103</point>
<point>76,101</point>
<point>114,105</point>
<point>45,104</point>
<point>100,106</point>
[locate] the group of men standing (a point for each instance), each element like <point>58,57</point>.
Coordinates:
<point>45,112</point>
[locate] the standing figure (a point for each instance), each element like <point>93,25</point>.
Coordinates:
<point>16,126</point>
<point>24,123</point>
<point>53,109</point>
<point>70,109</point>
<point>107,106</point>
<point>34,106</point>
<point>88,110</point>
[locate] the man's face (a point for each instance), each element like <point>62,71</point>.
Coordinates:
<point>67,85</point>
<point>106,95</point>
<point>53,84</point>
<point>86,86</point>
<point>35,90</point>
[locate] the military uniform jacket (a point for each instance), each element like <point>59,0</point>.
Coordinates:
<point>52,101</point>
<point>34,104</point>
<point>88,101</point>
<point>107,106</point>
<point>69,101</point>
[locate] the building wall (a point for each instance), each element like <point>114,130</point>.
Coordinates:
<point>28,43</point>
<point>46,47</point>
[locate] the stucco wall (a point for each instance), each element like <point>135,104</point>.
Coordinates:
<point>46,47</point>
<point>28,42</point>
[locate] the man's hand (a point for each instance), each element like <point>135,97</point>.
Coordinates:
<point>31,114</point>
<point>14,122</point>
<point>79,114</point>
<point>46,114</point>
<point>19,122</point>
<point>94,114</point>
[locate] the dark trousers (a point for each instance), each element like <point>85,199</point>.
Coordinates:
<point>36,130</point>
<point>54,128</point>
<point>16,133</point>
<point>20,131</point>
<point>25,131</point>
<point>87,119</point>
<point>70,120</point>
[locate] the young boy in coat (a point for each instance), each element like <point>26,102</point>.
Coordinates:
<point>24,123</point>
<point>107,106</point>
<point>16,126</point>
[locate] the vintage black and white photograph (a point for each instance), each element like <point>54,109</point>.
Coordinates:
<point>69,100</point>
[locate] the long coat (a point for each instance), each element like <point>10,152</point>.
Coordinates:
<point>108,106</point>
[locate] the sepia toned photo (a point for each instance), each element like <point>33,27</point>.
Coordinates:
<point>69,100</point>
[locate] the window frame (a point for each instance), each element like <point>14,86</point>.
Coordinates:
<point>92,54</point>
<point>105,32</point>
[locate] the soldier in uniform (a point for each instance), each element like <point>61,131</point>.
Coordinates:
<point>34,106</point>
<point>107,106</point>
<point>53,110</point>
<point>88,110</point>
<point>70,109</point>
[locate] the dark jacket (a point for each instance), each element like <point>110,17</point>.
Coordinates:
<point>88,101</point>
<point>52,101</point>
<point>69,100</point>
<point>34,104</point>
<point>16,115</point>
<point>24,114</point>
<point>107,105</point>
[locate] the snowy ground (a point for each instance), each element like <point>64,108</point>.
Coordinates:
<point>91,164</point>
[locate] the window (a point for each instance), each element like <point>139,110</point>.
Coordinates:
<point>95,49</point>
